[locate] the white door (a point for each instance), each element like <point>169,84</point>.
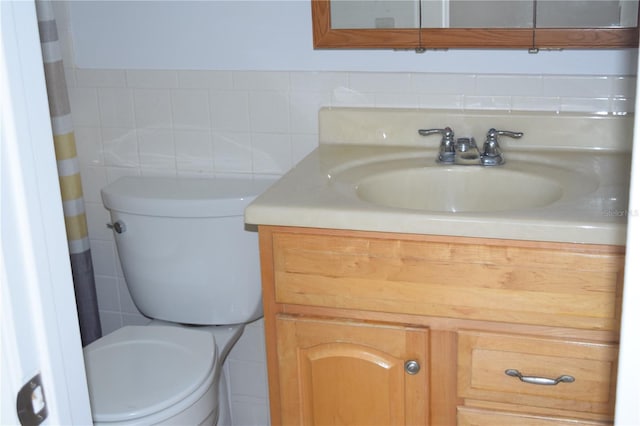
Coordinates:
<point>628,391</point>
<point>40,340</point>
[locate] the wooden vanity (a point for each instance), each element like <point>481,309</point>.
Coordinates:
<point>387,314</point>
<point>375,328</point>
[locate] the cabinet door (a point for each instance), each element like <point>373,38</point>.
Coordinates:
<point>351,373</point>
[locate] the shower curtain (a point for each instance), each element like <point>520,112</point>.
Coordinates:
<point>69,175</point>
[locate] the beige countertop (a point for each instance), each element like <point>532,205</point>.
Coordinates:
<point>315,193</point>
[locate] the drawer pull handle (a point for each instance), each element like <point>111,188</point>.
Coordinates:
<point>534,380</point>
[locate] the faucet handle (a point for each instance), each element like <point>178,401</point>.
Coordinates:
<point>491,151</point>
<point>493,134</point>
<point>447,132</point>
<point>447,143</point>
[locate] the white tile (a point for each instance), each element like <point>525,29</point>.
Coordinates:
<point>120,147</point>
<point>372,82</point>
<point>84,106</point>
<point>260,80</point>
<point>271,152</point>
<point>250,347</point>
<point>89,145</point>
<point>623,86</point>
<point>194,151</point>
<point>304,107</point>
<point>502,103</point>
<point>246,411</point>
<point>153,108</point>
<point>533,103</point>
<point>440,101</point>
<point>107,292</point>
<point>152,79</point>
<point>103,255</point>
<point>346,97</point>
<point>155,171</point>
<point>316,81</point>
<point>232,152</point>
<point>126,303</point>
<point>204,79</point>
<point>93,179</point>
<point>247,378</point>
<point>199,173</point>
<point>229,111</point>
<point>443,84</point>
<point>114,173</point>
<point>588,105</point>
<point>116,107</point>
<point>509,85</point>
<point>156,149</point>
<point>269,112</point>
<point>397,100</point>
<point>97,219</point>
<point>577,86</point>
<point>100,78</point>
<point>190,109</point>
<point>133,319</point>
<point>622,105</point>
<point>110,321</point>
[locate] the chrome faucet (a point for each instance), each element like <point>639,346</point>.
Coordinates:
<point>465,151</point>
<point>492,153</point>
<point>447,152</point>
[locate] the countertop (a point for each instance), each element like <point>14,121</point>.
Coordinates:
<point>309,195</point>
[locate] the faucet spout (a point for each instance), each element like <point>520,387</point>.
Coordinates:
<point>467,152</point>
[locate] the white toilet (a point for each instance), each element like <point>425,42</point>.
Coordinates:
<point>191,266</point>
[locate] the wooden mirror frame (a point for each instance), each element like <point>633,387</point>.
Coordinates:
<point>325,37</point>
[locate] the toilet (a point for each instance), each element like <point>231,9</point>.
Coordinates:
<point>193,269</point>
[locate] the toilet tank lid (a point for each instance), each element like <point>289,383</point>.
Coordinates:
<point>183,197</point>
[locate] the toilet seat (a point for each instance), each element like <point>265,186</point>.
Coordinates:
<point>141,371</point>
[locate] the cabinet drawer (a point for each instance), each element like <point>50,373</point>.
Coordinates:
<point>483,359</point>
<point>475,417</point>
<point>519,282</point>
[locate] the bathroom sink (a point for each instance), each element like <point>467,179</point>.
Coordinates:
<point>459,189</point>
<point>420,184</point>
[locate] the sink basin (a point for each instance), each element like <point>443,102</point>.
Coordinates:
<point>462,189</point>
<point>419,184</point>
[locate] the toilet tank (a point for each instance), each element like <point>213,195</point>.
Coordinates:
<point>186,254</point>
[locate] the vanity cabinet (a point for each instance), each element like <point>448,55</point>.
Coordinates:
<point>351,373</point>
<point>350,314</point>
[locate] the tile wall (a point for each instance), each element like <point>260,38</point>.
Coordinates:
<point>211,123</point>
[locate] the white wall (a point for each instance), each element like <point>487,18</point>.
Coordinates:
<point>276,35</point>
<point>215,87</point>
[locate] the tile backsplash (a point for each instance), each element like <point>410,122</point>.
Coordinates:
<point>209,123</point>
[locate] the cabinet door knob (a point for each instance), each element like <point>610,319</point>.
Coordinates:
<point>412,367</point>
<point>535,380</point>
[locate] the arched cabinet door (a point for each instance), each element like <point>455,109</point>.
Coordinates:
<point>352,373</point>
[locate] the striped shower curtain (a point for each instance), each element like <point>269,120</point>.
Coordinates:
<point>69,175</point>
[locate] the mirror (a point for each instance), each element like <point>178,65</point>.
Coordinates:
<point>351,14</point>
<point>586,13</point>
<point>475,23</point>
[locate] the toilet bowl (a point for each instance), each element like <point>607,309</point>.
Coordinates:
<point>159,373</point>
<point>147,375</point>
<point>193,268</point>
